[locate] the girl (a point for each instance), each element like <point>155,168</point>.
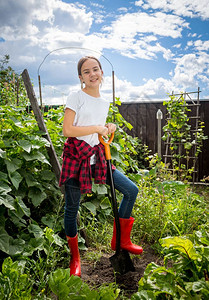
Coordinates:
<point>83,158</point>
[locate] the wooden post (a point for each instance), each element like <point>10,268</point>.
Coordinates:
<point>40,93</point>
<point>17,90</point>
<point>159,117</point>
<point>41,124</point>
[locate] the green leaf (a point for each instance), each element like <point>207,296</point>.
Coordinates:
<point>116,146</point>
<point>143,295</point>
<point>47,175</point>
<point>115,155</point>
<point>4,240</point>
<point>38,142</point>
<point>8,202</point>
<point>101,189</point>
<point>59,282</point>
<point>33,245</point>
<point>49,220</point>
<point>30,180</point>
<point>21,205</point>
<point>2,154</point>
<point>13,165</point>
<point>25,145</point>
<point>16,122</point>
<point>16,178</point>
<point>105,203</point>
<point>181,244</point>
<point>35,230</point>
<point>36,196</point>
<point>9,245</point>
<point>199,286</point>
<point>91,207</point>
<point>35,156</point>
<point>4,188</point>
<point>16,246</point>
<point>4,177</point>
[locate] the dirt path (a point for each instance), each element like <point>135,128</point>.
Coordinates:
<point>102,271</point>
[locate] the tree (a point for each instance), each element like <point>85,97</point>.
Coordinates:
<point>12,89</point>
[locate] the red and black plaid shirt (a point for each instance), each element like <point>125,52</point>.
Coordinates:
<point>76,164</point>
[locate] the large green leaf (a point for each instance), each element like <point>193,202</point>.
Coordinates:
<point>25,145</point>
<point>39,141</point>
<point>59,281</point>
<point>105,203</point>
<point>36,196</point>
<point>22,207</point>
<point>16,178</point>
<point>2,154</point>
<point>4,240</point>
<point>91,207</point>
<point>99,189</point>
<point>13,165</point>
<point>181,244</point>
<point>16,246</point>
<point>30,180</point>
<point>16,122</point>
<point>4,188</point>
<point>35,230</point>
<point>8,202</point>
<point>4,177</point>
<point>143,295</point>
<point>36,156</point>
<point>33,245</point>
<point>47,175</point>
<point>9,245</point>
<point>199,286</point>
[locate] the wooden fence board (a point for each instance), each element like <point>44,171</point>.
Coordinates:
<point>142,116</point>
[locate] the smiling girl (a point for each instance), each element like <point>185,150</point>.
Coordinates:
<point>83,158</point>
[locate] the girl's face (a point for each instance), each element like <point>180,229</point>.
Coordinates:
<point>91,74</point>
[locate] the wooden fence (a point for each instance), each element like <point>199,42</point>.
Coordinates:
<point>142,115</point>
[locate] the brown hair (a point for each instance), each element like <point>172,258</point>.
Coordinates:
<point>82,61</point>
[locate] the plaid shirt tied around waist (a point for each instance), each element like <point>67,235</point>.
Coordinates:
<point>76,164</point>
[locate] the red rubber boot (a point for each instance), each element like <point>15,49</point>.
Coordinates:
<point>75,265</point>
<point>125,242</point>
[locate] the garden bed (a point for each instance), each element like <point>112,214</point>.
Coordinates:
<point>101,272</point>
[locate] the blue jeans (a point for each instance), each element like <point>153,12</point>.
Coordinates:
<point>72,199</point>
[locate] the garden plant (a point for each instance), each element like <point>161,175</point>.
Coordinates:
<point>185,143</point>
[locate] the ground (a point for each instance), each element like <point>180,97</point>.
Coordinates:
<point>102,271</point>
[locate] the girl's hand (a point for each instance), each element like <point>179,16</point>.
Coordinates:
<point>111,127</point>
<point>102,130</point>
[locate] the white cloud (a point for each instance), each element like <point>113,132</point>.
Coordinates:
<point>201,45</point>
<point>31,29</point>
<point>26,19</point>
<point>189,68</point>
<point>177,46</point>
<point>151,89</point>
<point>131,24</point>
<point>135,34</point>
<point>139,3</point>
<point>188,8</point>
<point>123,9</point>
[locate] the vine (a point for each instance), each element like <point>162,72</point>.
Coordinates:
<point>183,142</point>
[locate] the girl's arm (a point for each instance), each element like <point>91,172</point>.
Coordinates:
<point>69,130</point>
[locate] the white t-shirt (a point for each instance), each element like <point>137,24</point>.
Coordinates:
<point>89,111</point>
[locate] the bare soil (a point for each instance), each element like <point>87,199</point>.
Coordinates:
<point>102,272</point>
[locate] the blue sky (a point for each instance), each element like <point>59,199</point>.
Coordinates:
<point>154,46</point>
